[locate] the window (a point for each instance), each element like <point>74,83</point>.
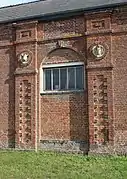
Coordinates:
<point>63,78</point>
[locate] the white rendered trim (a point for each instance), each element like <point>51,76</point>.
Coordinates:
<point>62,64</point>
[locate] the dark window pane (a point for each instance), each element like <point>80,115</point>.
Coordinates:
<point>63,79</point>
<point>79,77</point>
<point>47,79</point>
<point>55,79</point>
<point>71,78</point>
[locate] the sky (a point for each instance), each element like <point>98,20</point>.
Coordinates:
<point>12,2</point>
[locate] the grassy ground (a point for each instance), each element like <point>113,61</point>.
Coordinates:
<point>47,165</point>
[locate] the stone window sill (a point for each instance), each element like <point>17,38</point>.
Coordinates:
<point>61,92</point>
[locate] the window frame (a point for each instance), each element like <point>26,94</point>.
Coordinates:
<point>60,65</point>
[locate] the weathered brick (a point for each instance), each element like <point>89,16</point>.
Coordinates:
<point>68,116</point>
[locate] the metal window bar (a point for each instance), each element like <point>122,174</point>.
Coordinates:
<point>59,79</point>
<point>67,73</point>
<point>51,79</point>
<point>67,79</point>
<point>75,76</point>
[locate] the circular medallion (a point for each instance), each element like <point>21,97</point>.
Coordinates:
<point>24,59</point>
<point>98,51</point>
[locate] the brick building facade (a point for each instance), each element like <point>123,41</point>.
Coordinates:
<point>63,77</point>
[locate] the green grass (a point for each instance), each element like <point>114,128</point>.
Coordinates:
<point>48,165</point>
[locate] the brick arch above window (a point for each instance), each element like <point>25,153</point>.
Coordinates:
<point>63,55</point>
<point>63,70</point>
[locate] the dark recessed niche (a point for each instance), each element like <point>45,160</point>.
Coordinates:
<point>25,34</point>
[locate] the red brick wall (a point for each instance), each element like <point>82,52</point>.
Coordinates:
<point>65,116</point>
<point>119,51</point>
<point>108,29</point>
<point>26,89</point>
<point>7,67</point>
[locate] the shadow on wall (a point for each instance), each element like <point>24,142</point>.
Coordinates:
<point>65,122</point>
<point>79,127</point>
<point>11,101</point>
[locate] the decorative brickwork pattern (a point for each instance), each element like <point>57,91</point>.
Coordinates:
<point>25,112</point>
<point>98,24</point>
<point>100,110</point>
<point>70,120</point>
<point>21,113</point>
<point>25,34</point>
<point>7,33</point>
<point>63,29</point>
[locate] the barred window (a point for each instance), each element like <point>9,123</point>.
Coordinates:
<point>63,78</point>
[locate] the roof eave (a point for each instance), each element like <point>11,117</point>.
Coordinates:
<point>65,14</point>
